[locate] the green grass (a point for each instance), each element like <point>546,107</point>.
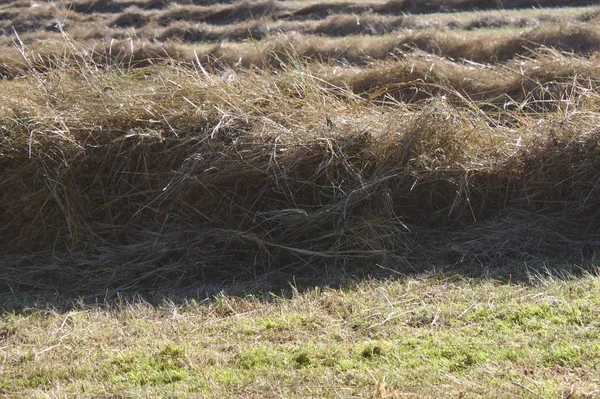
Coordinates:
<point>429,336</point>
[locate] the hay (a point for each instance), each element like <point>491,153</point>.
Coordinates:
<point>133,178</point>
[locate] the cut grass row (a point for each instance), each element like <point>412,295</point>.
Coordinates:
<point>165,175</point>
<point>224,12</point>
<point>491,47</point>
<point>44,23</point>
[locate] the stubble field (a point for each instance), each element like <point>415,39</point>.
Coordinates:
<point>377,198</point>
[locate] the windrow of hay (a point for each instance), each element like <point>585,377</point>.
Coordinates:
<point>159,20</point>
<point>488,47</point>
<point>526,84</point>
<point>337,25</point>
<point>228,12</point>
<point>492,48</point>
<point>166,175</point>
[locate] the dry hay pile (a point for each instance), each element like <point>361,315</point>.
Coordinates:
<point>166,175</point>
<point>140,32</point>
<point>129,160</point>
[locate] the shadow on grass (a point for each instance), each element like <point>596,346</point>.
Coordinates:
<point>285,284</point>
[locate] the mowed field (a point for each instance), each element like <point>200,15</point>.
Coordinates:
<point>299,199</point>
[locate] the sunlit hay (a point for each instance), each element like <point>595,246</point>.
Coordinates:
<point>353,24</point>
<point>272,48</point>
<point>130,19</point>
<point>533,84</point>
<point>220,14</point>
<point>171,174</point>
<point>417,7</point>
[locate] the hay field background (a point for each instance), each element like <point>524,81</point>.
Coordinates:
<point>299,199</point>
<point>147,144</point>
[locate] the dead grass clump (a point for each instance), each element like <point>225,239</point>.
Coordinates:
<point>500,48</point>
<point>345,25</point>
<point>184,32</point>
<point>394,7</point>
<point>244,10</point>
<point>152,4</point>
<point>515,234</point>
<point>17,4</point>
<point>32,19</point>
<point>535,85</point>
<point>201,33</point>
<point>205,2</point>
<point>415,7</point>
<point>9,14</point>
<point>494,22</point>
<point>492,48</point>
<point>542,3</point>
<point>572,38</point>
<point>484,48</point>
<point>179,13</point>
<point>323,10</point>
<point>220,14</point>
<point>130,19</point>
<point>127,54</point>
<point>422,76</point>
<point>360,50</point>
<point>590,16</point>
<point>99,6</point>
<point>272,230</point>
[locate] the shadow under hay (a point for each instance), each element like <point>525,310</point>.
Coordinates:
<point>143,211</point>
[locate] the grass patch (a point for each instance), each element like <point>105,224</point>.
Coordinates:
<point>486,337</point>
<point>164,367</point>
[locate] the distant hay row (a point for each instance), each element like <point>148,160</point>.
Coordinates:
<point>491,48</point>
<point>160,21</point>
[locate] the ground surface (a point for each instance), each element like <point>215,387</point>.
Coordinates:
<point>411,337</point>
<point>299,199</point>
